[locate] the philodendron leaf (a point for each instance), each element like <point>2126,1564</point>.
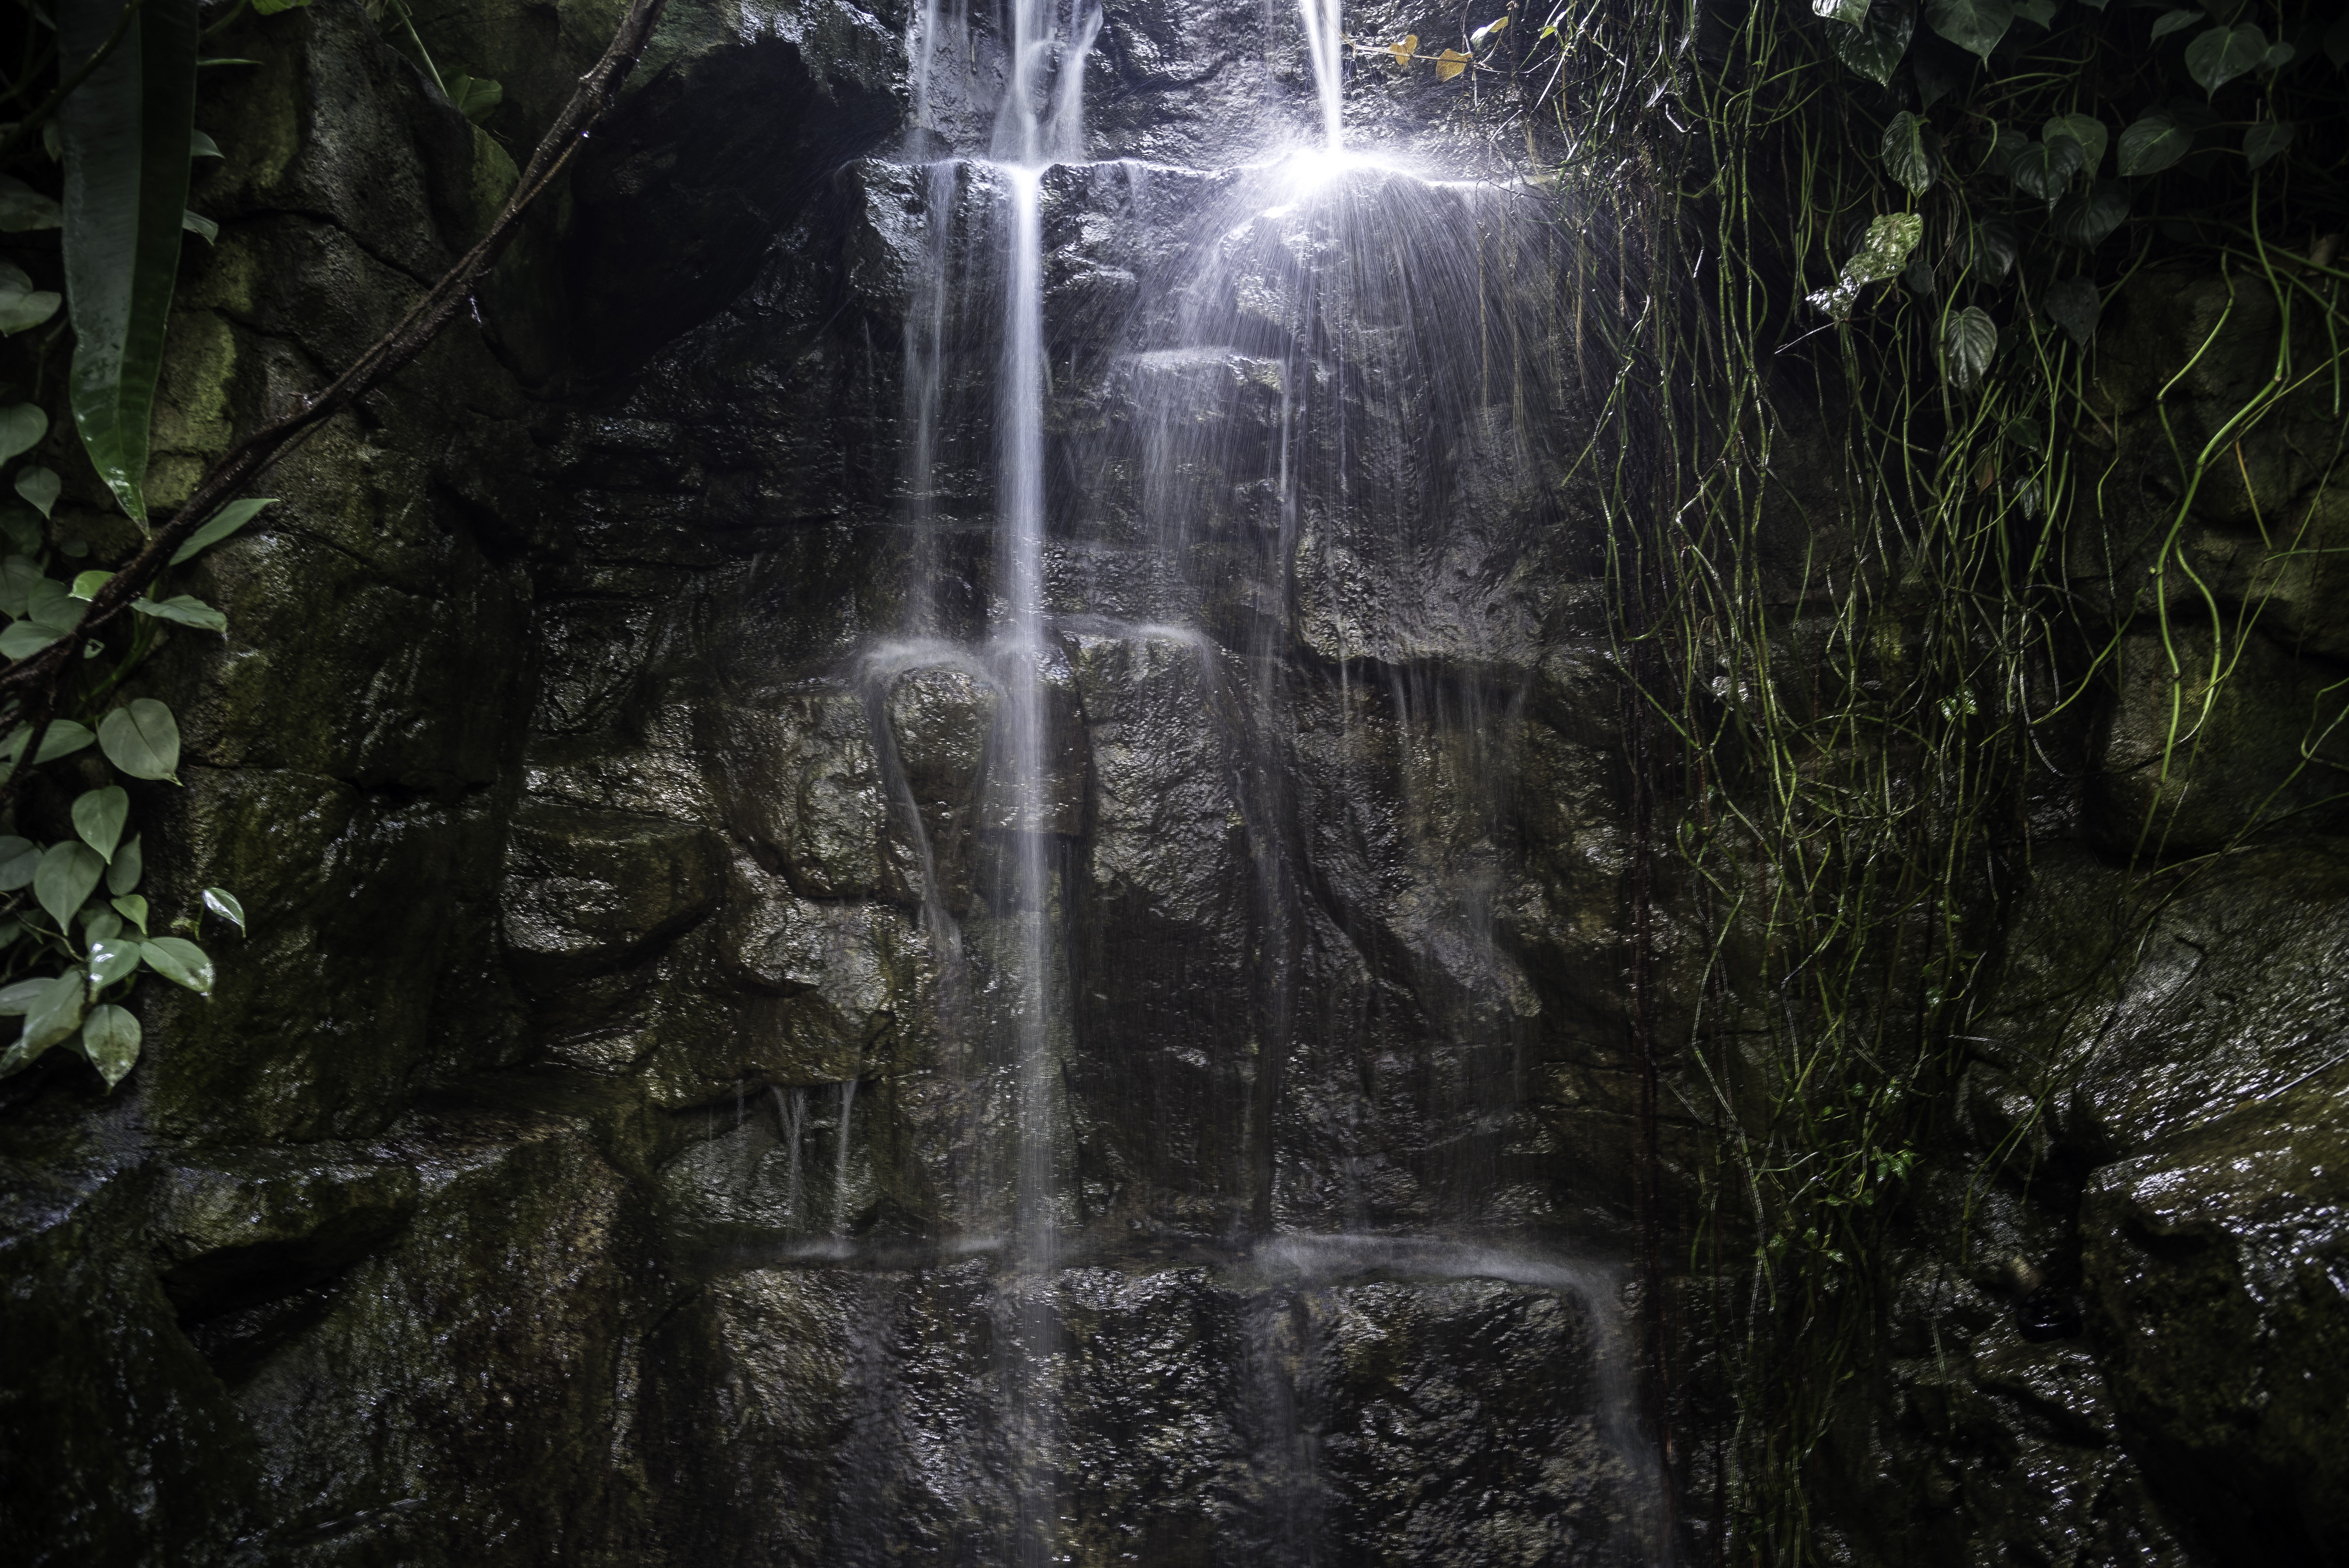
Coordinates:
<point>123,874</point>
<point>2266,140</point>
<point>2218,57</point>
<point>142,738</point>
<point>2085,221</point>
<point>18,1000</point>
<point>1973,25</point>
<point>127,130</point>
<point>2074,305</point>
<point>476,97</point>
<point>68,874</point>
<point>22,425</point>
<point>132,908</point>
<point>2153,144</point>
<point>223,902</point>
<point>2176,21</point>
<point>202,227</point>
<point>2041,12</point>
<point>24,208</point>
<point>18,860</point>
<point>55,1013</point>
<point>2044,169</point>
<point>86,584</point>
<point>23,639</point>
<point>2085,129</point>
<point>1853,12</point>
<point>111,960</point>
<point>185,609</point>
<point>23,307</point>
<point>1969,342</point>
<point>98,816</point>
<point>52,607</point>
<point>39,486</point>
<point>221,524</point>
<point>17,575</point>
<point>62,738</point>
<point>1883,251</point>
<point>109,1038</point>
<point>100,924</point>
<point>180,961</point>
<point>1908,155</point>
<point>1874,47</point>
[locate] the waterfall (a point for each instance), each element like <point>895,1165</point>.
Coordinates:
<point>1325,40</point>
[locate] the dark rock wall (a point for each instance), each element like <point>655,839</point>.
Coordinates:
<point>591,1155</point>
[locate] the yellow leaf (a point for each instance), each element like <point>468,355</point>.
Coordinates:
<point>1403,51</point>
<point>1450,63</point>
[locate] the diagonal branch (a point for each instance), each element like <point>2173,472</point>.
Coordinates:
<point>29,687</point>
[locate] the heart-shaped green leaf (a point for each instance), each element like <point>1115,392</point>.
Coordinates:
<point>180,961</point>
<point>111,960</point>
<point>24,208</point>
<point>186,609</point>
<point>2218,57</point>
<point>2085,129</point>
<point>1853,12</point>
<point>2265,141</point>
<point>18,1000</point>
<point>63,738</point>
<point>123,874</point>
<point>2074,305</point>
<point>142,738</point>
<point>68,874</point>
<point>23,307</point>
<point>2044,169</point>
<point>1874,49</point>
<point>40,487</point>
<point>2152,145</point>
<point>18,859</point>
<point>22,425</point>
<point>221,524</point>
<point>1908,152</point>
<point>98,816</point>
<point>2086,220</point>
<point>23,639</point>
<point>55,1013</point>
<point>1973,25</point>
<point>101,924</point>
<point>223,902</point>
<point>2176,22</point>
<point>109,1038</point>
<point>132,908</point>
<point>1970,340</point>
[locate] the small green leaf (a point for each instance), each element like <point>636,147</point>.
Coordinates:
<point>2085,220</point>
<point>222,523</point>
<point>68,874</point>
<point>2176,21</point>
<point>142,738</point>
<point>180,961</point>
<point>2265,141</point>
<point>2218,57</point>
<point>2153,144</point>
<point>18,858</point>
<point>23,639</point>
<point>123,874</point>
<point>55,1013</point>
<point>132,908</point>
<point>63,738</point>
<point>99,817</point>
<point>2074,305</point>
<point>202,227</point>
<point>22,425</point>
<point>185,609</point>
<point>1883,251</point>
<point>23,307</point>
<point>24,208</point>
<point>223,902</point>
<point>202,146</point>
<point>39,486</point>
<point>2085,129</point>
<point>1908,155</point>
<point>1973,25</point>
<point>111,960</point>
<point>18,1000</point>
<point>86,584</point>
<point>1874,49</point>
<point>1970,341</point>
<point>100,924</point>
<point>50,604</point>
<point>2277,57</point>
<point>17,575</point>
<point>109,1038</point>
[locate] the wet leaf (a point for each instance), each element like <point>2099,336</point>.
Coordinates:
<point>2043,169</point>
<point>1450,63</point>
<point>180,961</point>
<point>86,584</point>
<point>1908,155</point>
<point>2086,220</point>
<point>109,1038</point>
<point>2153,144</point>
<point>1973,25</point>
<point>18,1000</point>
<point>99,817</point>
<point>123,874</point>
<point>1405,50</point>
<point>2085,129</point>
<point>1883,251</point>
<point>202,227</point>
<point>1853,11</point>
<point>68,874</point>
<point>1967,344</point>
<point>2265,141</point>
<point>221,523</point>
<point>111,961</point>
<point>22,425</point>
<point>2218,57</point>
<point>1488,32</point>
<point>185,609</point>
<point>142,738</point>
<point>2074,305</point>
<point>1873,49</point>
<point>55,1013</point>
<point>223,902</point>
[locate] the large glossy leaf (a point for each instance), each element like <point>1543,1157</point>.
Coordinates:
<point>1969,342</point>
<point>2086,220</point>
<point>1883,251</point>
<point>2153,144</point>
<point>109,1038</point>
<point>1851,12</point>
<point>2218,57</point>
<point>223,902</point>
<point>112,959</point>
<point>1973,25</point>
<point>1874,47</point>
<point>2085,129</point>
<point>98,816</point>
<point>180,961</point>
<point>126,132</point>
<point>142,738</point>
<point>2044,169</point>
<point>1908,152</point>
<point>68,874</point>
<point>221,524</point>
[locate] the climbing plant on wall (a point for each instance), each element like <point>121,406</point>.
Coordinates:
<point>1844,282</point>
